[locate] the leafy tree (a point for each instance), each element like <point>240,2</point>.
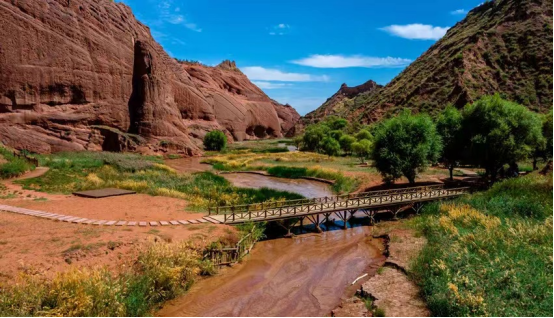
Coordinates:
<point>547,134</point>
<point>330,146</point>
<point>346,142</point>
<point>215,140</point>
<point>364,134</point>
<point>336,134</point>
<point>405,145</point>
<point>362,149</point>
<point>336,123</point>
<point>313,136</point>
<point>449,127</point>
<point>297,141</point>
<point>499,132</point>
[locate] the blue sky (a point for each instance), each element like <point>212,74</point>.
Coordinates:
<point>301,51</point>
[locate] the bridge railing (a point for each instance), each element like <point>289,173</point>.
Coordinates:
<point>291,203</point>
<point>364,202</point>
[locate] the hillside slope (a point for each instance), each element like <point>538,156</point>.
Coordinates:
<point>502,46</point>
<point>86,75</point>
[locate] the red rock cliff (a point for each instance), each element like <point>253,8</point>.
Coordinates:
<point>86,75</point>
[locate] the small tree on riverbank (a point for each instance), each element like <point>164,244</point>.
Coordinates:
<point>449,127</point>
<point>362,149</point>
<point>215,140</point>
<point>330,146</point>
<point>405,145</point>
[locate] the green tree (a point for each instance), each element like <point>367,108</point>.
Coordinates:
<point>313,136</point>
<point>330,146</point>
<point>336,134</point>
<point>547,134</point>
<point>297,141</point>
<point>215,140</point>
<point>364,134</point>
<point>449,127</point>
<point>499,132</point>
<point>362,149</point>
<point>405,145</point>
<point>346,142</point>
<point>336,123</point>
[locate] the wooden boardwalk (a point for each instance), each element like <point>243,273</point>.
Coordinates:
<point>367,202</point>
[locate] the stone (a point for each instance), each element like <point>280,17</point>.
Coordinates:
<point>164,223</point>
<point>184,222</point>
<point>174,222</point>
<point>83,74</point>
<point>143,224</point>
<point>153,223</point>
<point>121,223</point>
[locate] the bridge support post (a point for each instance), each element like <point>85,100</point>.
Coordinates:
<point>395,211</point>
<point>317,225</point>
<point>417,207</point>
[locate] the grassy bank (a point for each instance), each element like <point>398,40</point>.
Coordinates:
<point>161,272</point>
<point>75,171</point>
<point>290,165</point>
<point>11,165</point>
<point>490,254</point>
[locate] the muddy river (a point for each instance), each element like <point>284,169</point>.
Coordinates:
<point>303,276</point>
<point>307,188</point>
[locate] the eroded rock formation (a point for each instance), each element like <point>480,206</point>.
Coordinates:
<point>86,75</point>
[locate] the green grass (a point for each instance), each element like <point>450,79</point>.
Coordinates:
<point>490,253</point>
<point>70,172</point>
<point>14,166</point>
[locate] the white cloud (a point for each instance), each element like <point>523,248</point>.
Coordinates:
<point>416,31</point>
<point>458,12</point>
<point>267,74</point>
<point>270,85</point>
<point>279,29</point>
<point>168,14</point>
<point>340,61</point>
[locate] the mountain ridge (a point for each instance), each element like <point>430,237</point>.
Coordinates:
<point>502,46</point>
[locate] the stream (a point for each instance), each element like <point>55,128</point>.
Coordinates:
<point>304,276</point>
<point>307,275</point>
<point>307,188</point>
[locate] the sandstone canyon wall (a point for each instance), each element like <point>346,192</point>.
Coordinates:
<point>86,75</point>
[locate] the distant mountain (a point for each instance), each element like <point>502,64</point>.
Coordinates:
<point>502,46</point>
<point>342,101</point>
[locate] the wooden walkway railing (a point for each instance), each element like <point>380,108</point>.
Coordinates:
<point>348,202</point>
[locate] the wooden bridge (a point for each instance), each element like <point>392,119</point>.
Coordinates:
<point>342,206</point>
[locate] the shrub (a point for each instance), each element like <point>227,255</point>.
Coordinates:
<point>362,149</point>
<point>364,134</point>
<point>346,142</point>
<point>215,140</point>
<point>14,166</point>
<point>330,146</point>
<point>287,172</point>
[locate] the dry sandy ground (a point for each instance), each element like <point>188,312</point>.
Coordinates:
<point>35,245</point>
<point>391,289</point>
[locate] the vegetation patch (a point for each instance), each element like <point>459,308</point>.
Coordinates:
<point>161,272</point>
<point>70,172</point>
<point>490,254</point>
<point>13,166</point>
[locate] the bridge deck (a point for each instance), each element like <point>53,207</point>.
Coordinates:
<point>364,201</point>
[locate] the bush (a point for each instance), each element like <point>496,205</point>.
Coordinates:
<point>15,166</point>
<point>215,140</point>
<point>330,146</point>
<point>162,272</point>
<point>287,172</point>
<point>346,142</point>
